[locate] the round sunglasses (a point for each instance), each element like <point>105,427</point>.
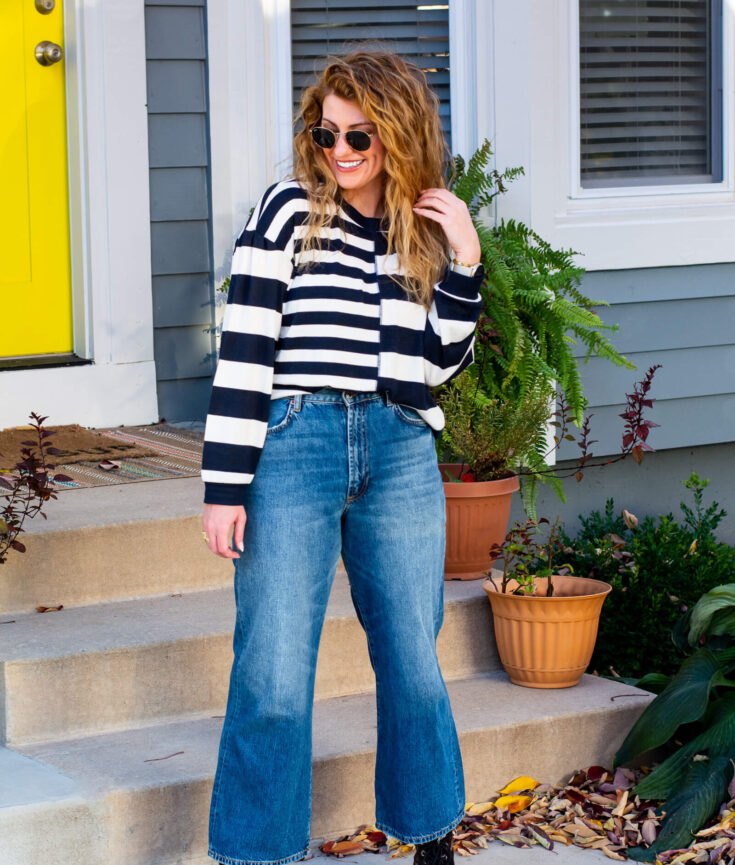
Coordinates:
<point>356,138</point>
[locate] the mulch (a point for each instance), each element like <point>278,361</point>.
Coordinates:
<point>596,809</point>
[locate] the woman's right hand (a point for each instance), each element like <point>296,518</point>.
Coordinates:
<point>217,523</point>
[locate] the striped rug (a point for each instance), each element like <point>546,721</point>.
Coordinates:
<point>178,454</point>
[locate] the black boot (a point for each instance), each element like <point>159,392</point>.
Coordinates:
<point>436,852</point>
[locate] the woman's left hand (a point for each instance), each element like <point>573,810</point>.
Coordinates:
<point>452,214</point>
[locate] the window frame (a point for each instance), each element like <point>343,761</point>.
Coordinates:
<point>577,191</point>
<point>536,118</point>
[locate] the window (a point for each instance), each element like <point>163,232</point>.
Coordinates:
<point>650,92</point>
<point>417,31</point>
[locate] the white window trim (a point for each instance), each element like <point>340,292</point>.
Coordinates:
<point>249,112</point>
<point>463,78</point>
<point>107,123</point>
<point>537,115</point>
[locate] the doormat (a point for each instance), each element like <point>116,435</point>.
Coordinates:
<point>169,452</point>
<point>76,443</point>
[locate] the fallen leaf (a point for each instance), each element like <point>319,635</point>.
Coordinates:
<point>542,837</point>
<point>479,808</point>
<point>518,785</point>
<point>346,848</point>
<point>513,803</point>
<point>622,804</point>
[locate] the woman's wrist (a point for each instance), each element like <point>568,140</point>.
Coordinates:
<point>467,258</point>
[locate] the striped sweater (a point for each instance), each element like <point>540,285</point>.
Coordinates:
<point>342,324</point>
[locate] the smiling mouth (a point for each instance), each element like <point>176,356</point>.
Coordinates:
<point>347,166</point>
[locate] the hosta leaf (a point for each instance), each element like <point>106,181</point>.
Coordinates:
<point>694,803</point>
<point>683,700</point>
<point>718,598</point>
<point>680,632</point>
<point>654,682</point>
<point>722,622</point>
<point>717,740</point>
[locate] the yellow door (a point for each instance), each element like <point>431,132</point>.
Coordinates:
<point>35,271</point>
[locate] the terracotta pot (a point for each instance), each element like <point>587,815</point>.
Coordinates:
<point>547,642</point>
<point>477,517</point>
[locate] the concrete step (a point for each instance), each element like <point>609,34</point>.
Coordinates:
<point>106,543</point>
<point>126,811</point>
<point>137,662</point>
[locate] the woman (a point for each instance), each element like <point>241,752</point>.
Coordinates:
<point>354,289</point>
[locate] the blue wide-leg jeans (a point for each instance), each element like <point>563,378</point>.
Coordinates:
<point>356,474</point>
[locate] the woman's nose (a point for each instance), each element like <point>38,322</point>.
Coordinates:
<point>342,149</point>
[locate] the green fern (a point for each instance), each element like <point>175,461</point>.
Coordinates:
<point>535,318</point>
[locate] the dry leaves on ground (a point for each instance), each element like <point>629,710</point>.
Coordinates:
<point>595,810</point>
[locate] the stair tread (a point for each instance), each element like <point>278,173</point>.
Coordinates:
<point>116,504</point>
<point>27,781</point>
<point>156,619</point>
<point>341,726</point>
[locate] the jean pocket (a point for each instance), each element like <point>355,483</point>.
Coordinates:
<point>280,414</point>
<point>408,415</point>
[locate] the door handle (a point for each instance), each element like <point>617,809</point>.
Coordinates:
<point>48,53</point>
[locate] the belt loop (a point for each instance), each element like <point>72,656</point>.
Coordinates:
<point>297,401</point>
<point>386,398</point>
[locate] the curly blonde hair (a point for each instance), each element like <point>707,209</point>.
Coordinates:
<point>394,95</point>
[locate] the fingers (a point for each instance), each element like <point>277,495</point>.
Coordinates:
<point>218,522</point>
<point>239,535</point>
<point>453,216</point>
<point>442,198</point>
<point>440,205</point>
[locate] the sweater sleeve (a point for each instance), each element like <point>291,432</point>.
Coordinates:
<point>239,406</point>
<point>450,326</point>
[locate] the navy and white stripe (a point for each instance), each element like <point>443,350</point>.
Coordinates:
<point>343,324</point>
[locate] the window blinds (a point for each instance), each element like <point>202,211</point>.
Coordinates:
<point>417,31</point>
<point>650,91</point>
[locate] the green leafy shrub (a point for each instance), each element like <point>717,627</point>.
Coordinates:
<point>694,717</point>
<point>657,569</point>
<point>493,436</point>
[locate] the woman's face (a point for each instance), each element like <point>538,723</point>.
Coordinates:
<point>352,169</point>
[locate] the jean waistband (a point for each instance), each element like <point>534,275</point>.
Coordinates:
<point>347,397</point>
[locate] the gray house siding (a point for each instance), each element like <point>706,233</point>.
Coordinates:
<point>178,148</point>
<point>682,318</point>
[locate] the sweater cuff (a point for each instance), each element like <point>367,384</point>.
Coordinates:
<point>224,494</point>
<point>461,285</point>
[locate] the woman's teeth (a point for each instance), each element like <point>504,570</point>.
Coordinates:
<point>350,164</point>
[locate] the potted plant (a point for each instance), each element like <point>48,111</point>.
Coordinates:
<point>502,442</point>
<point>493,438</point>
<point>545,620</point>
<point>534,317</point>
